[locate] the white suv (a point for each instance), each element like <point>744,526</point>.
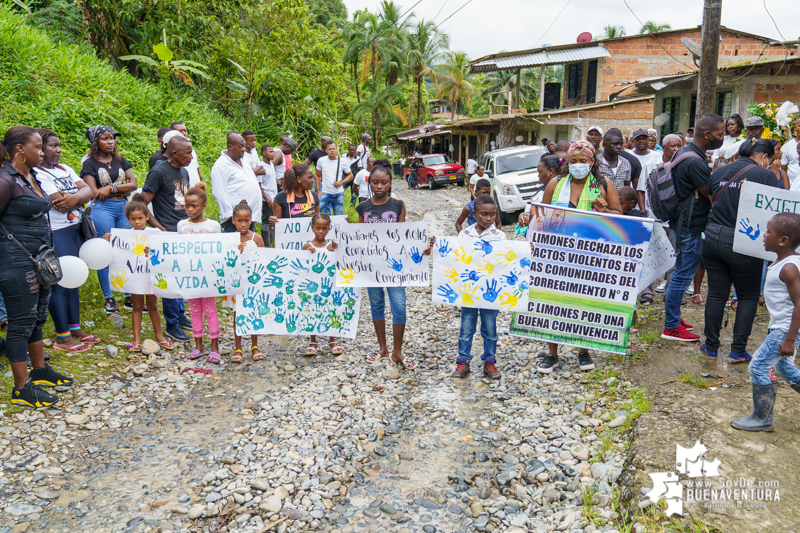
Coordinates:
<point>514,177</point>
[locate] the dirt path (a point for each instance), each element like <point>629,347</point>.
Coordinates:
<point>682,413</point>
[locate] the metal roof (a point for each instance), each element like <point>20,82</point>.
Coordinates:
<point>539,58</point>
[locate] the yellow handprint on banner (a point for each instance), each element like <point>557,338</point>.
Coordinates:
<point>119,279</point>
<point>451,274</point>
<point>468,294</point>
<point>508,300</point>
<point>463,256</point>
<point>347,276</point>
<point>506,258</point>
<point>486,267</point>
<point>161,282</point>
<point>138,245</point>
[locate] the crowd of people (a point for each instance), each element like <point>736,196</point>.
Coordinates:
<point>44,203</point>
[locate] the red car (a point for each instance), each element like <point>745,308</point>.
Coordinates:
<point>436,170</point>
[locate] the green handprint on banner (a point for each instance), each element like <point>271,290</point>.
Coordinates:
<point>291,323</point>
<point>161,282</point>
<point>241,321</point>
<point>349,313</point>
<point>278,300</point>
<point>308,327</point>
<point>231,258</point>
<point>255,276</point>
<point>220,285</point>
<point>305,298</point>
<point>322,262</point>
<point>291,305</point>
<point>274,281</point>
<point>219,269</point>
<point>309,286</point>
<point>276,265</point>
<point>327,285</point>
<point>331,271</point>
<point>236,280</point>
<point>263,304</point>
<point>319,300</point>
<point>334,320</point>
<point>290,287</point>
<point>350,302</point>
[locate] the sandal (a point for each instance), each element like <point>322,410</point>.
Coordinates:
<point>256,354</point>
<point>408,362</point>
<point>312,349</point>
<point>167,344</point>
<point>236,356</point>
<point>214,357</point>
<point>696,297</point>
<point>196,354</point>
<point>373,357</point>
<point>78,348</point>
<point>90,339</point>
<point>135,347</point>
<point>335,348</point>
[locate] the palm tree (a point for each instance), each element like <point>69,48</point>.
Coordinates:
<point>612,32</point>
<point>394,36</point>
<point>453,81</point>
<point>353,38</point>
<point>652,27</point>
<point>506,81</point>
<point>425,47</point>
<point>378,99</point>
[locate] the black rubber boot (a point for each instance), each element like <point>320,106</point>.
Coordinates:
<point>764,403</point>
<point>796,387</point>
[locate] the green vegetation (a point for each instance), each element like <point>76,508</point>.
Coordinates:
<point>692,379</point>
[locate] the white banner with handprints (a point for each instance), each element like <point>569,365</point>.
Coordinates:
<point>482,274</point>
<point>757,205</point>
<point>129,271</point>
<point>382,255</point>
<point>290,292</point>
<point>195,266</point>
<point>294,233</point>
<point>658,259</point>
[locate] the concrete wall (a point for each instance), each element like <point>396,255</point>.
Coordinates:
<point>624,116</point>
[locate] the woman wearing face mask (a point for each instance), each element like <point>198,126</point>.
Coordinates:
<point>724,266</point>
<point>583,188</point>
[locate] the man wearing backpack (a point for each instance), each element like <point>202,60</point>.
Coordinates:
<point>690,175</point>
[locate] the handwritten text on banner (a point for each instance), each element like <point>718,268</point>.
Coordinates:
<point>129,270</point>
<point>294,233</point>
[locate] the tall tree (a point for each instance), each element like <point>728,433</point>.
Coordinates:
<point>453,82</point>
<point>395,32</point>
<point>353,37</point>
<point>379,101</point>
<point>652,27</point>
<point>425,47</point>
<point>612,32</point>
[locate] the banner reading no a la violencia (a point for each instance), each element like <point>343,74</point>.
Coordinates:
<point>584,277</point>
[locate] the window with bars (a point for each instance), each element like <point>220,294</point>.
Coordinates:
<point>575,77</point>
<point>673,107</point>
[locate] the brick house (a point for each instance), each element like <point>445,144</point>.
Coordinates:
<point>610,83</point>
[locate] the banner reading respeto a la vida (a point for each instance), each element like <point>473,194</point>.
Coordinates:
<point>584,277</point>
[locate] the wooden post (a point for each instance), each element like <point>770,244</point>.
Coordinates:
<point>707,84</point>
<point>541,87</point>
<point>516,91</point>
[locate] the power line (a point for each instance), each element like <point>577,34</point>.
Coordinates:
<point>656,38</point>
<point>454,12</point>
<point>551,24</point>
<point>440,9</point>
<point>783,64</point>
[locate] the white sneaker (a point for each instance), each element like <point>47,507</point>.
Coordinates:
<point>662,287</point>
<point>690,290</point>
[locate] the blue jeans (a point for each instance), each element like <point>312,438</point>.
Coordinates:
<point>681,278</point>
<point>174,309</point>
<point>469,322</point>
<point>108,214</point>
<point>333,204</point>
<point>65,304</point>
<point>768,356</point>
<point>397,303</point>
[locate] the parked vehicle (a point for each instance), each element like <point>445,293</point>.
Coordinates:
<point>514,177</point>
<point>437,170</point>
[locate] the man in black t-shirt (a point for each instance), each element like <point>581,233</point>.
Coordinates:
<point>165,187</point>
<point>319,152</point>
<point>691,178</point>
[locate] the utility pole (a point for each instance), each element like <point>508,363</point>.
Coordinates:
<point>707,84</point>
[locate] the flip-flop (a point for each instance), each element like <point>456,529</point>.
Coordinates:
<point>134,347</point>
<point>167,345</point>
<point>236,356</point>
<point>78,348</point>
<point>373,357</point>
<point>408,362</point>
<point>196,354</point>
<point>312,349</point>
<point>214,357</point>
<point>91,339</point>
<point>256,354</point>
<point>335,348</point>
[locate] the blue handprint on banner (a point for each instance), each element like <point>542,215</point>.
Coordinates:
<point>415,255</point>
<point>337,298</point>
<point>484,246</point>
<point>525,262</point>
<point>249,298</point>
<point>470,275</point>
<point>327,285</point>
<point>748,230</point>
<point>154,260</point>
<point>490,292</point>
<point>297,267</point>
<point>444,248</point>
<point>395,264</point>
<point>511,278</point>
<point>445,291</point>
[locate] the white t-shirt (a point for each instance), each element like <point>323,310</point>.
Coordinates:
<point>268,182</point>
<point>791,160</point>
<point>776,295</point>
<point>347,163</point>
<point>193,168</point>
<point>327,168</point>
<point>187,227</point>
<point>645,161</point>
<point>362,183</point>
<point>251,159</point>
<point>232,183</point>
<point>363,155</point>
<point>474,179</point>
<point>64,180</point>
<point>471,166</point>
<point>733,149</point>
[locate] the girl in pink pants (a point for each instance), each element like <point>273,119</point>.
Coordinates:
<point>195,201</point>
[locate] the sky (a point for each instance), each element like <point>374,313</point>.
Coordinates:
<point>485,27</point>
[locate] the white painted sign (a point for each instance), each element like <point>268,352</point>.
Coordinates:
<point>294,233</point>
<point>757,205</point>
<point>129,270</point>
<point>660,257</point>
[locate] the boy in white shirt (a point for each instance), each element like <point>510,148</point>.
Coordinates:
<point>361,181</point>
<point>269,190</point>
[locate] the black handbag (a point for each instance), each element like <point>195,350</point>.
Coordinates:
<point>88,228</point>
<point>48,268</point>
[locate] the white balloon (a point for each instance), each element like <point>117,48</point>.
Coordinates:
<point>96,253</point>
<point>75,272</point>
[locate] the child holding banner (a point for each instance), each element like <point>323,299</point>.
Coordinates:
<point>782,295</point>
<point>468,213</point>
<point>383,208</point>
<point>242,217</point>
<point>321,225</point>
<point>195,203</point>
<point>137,213</point>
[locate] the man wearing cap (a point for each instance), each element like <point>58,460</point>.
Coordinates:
<point>232,182</point>
<point>754,129</point>
<point>159,154</point>
<point>643,154</point>
<point>363,150</point>
<point>595,136</point>
<point>281,163</point>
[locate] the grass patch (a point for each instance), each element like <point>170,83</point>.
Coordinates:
<point>653,520</point>
<point>691,378</point>
<point>648,335</point>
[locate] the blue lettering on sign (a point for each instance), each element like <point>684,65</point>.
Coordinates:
<point>175,266</point>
